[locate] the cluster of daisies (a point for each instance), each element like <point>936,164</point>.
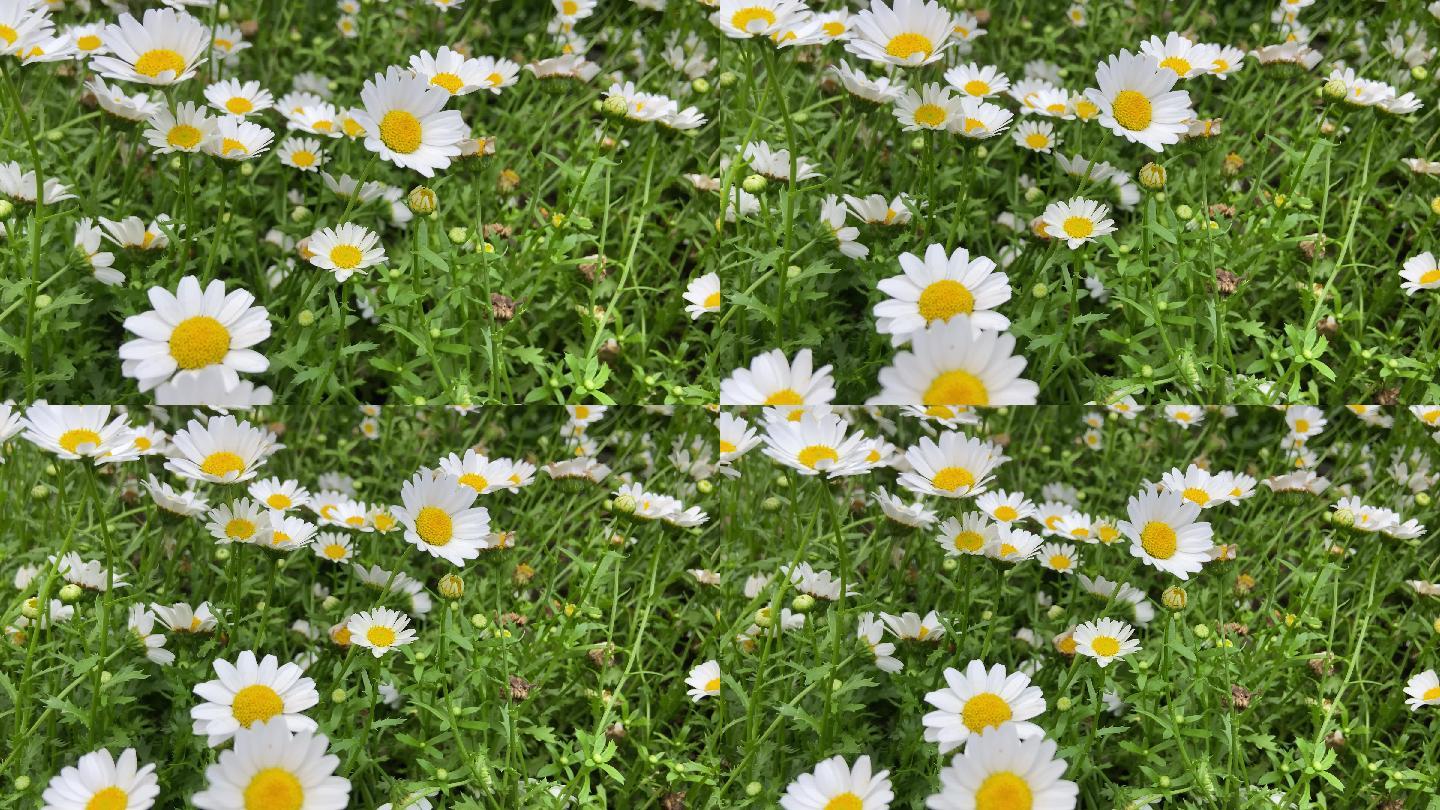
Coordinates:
<point>255,708</point>
<point>988,710</point>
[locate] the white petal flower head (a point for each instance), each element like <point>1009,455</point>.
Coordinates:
<point>440,518</point>
<point>1164,534</point>
<point>957,466</point>
<point>1198,486</point>
<point>740,19</point>
<point>1177,54</point>
<point>979,700</point>
<point>1001,769</point>
<point>704,681</point>
<point>190,330</point>
<point>908,33</point>
<point>703,295</point>
<point>1077,221</point>
<point>1420,273</point>
<point>1423,690</point>
<point>935,107</point>
<point>24,23</point>
<point>80,431</point>
<point>283,769</point>
<point>834,785</point>
<point>405,122</point>
<point>221,451</point>
<point>188,129</point>
<point>380,630</point>
<point>1137,100</point>
<point>1105,640</point>
<point>346,250</point>
<point>819,443</point>
<point>775,382</point>
<point>163,47</point>
<point>252,691</point>
<point>238,139</point>
<point>938,288</point>
<point>100,780</point>
<point>953,363</point>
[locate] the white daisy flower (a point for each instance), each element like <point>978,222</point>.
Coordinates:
<point>79,431</point>
<point>450,70</point>
<point>908,33</point>
<point>703,294</point>
<point>977,701</point>
<point>142,625</point>
<point>242,99</point>
<point>957,466</point>
<point>287,770</point>
<point>872,632</point>
<point>99,781</point>
<point>405,122</point>
<point>740,19</point>
<point>1077,221</point>
<point>1423,690</point>
<point>1059,557</point>
<point>938,288</point>
<point>1037,136</point>
<point>238,139</point>
<point>834,785</point>
<point>380,630</point>
<point>773,381</point>
<point>440,518</point>
<point>818,443</point>
<point>893,507</point>
<point>252,691</point>
<point>1003,770</point>
<point>1198,486</point>
<point>971,533</point>
<point>1420,273</point>
<point>191,330</point>
<point>704,681</point>
<point>953,363</point>
<point>280,495</point>
<point>304,154</point>
<point>1005,507</point>
<point>977,81</point>
<point>1105,640</point>
<point>188,129</point>
<point>164,47</point>
<point>345,250</point>
<point>222,451</point>
<point>1164,534</point>
<point>1137,100</point>
<point>1180,56</point>
<point>935,107</point>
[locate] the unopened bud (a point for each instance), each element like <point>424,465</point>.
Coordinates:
<point>422,200</point>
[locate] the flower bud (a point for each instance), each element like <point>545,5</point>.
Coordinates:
<point>700,86</point>
<point>1174,598</point>
<point>422,200</point>
<point>625,504</point>
<point>70,592</point>
<point>1152,176</point>
<point>452,586</point>
<point>615,106</point>
<point>802,603</point>
<point>1336,90</point>
<point>755,183</point>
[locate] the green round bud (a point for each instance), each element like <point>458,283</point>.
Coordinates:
<point>330,602</point>
<point>1064,703</point>
<point>22,783</point>
<point>299,213</point>
<point>1423,498</point>
<point>802,603</point>
<point>39,491</point>
<point>457,235</point>
<point>246,170</point>
<point>339,696</point>
<point>1184,212</point>
<point>700,86</point>
<point>1034,194</point>
<point>705,487</point>
<point>1152,176</point>
<point>1344,517</point>
<point>949,564</point>
<point>615,106</point>
<point>1202,630</point>
<point>422,200</point>
<point>70,592</point>
<point>1040,290</point>
<point>1335,90</point>
<point>752,790</point>
<point>6,209</point>
<point>763,618</point>
<point>306,317</point>
<point>222,553</point>
<point>42,301</point>
<point>728,79</point>
<point>1174,598</point>
<point>625,504</point>
<point>754,183</point>
<point>770,504</point>
<point>441,773</point>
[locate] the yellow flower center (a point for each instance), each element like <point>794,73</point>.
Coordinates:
<point>985,710</point>
<point>1196,495</point>
<point>400,131</point>
<point>274,789</point>
<point>228,145</point>
<point>346,257</point>
<point>1006,513</point>
<point>1180,65</point>
<point>8,34</point>
<point>746,18</point>
<point>1433,693</point>
<point>495,79</point>
<point>222,463</point>
<point>1004,790</point>
<point>1106,646</point>
<point>142,443</point>
<point>239,105</point>
<point>930,115</point>
<point>434,526</point>
<point>712,301</point>
<point>975,87</point>
<point>944,299</point>
<point>1132,110</point>
<point>969,541</point>
<point>239,529</point>
<point>1037,140</point>
<point>449,81</point>
<point>833,28</point>
<point>384,522</point>
<point>223,43</point>
<point>335,551</point>
<point>256,702</point>
<point>727,447</point>
<point>111,798</point>
<point>953,478</point>
<point>569,7</point>
<point>183,136</point>
<point>153,63</point>
<point>956,388</point>
<point>974,124</point>
<point>1067,645</point>
<point>1059,562</point>
<point>303,158</point>
<point>1086,109</point>
<point>475,481</point>
<point>198,342</point>
<point>355,520</point>
<point>712,685</point>
<point>278,501</point>
<point>816,453</point>
<point>1220,65</point>
<point>785,396</point>
<point>845,801</point>
<point>1302,425</point>
<point>380,636</point>
<point>72,440</point>
<point>907,45</point>
<point>1078,227</point>
<point>1430,276</point>
<point>88,42</point>
<point>1158,540</point>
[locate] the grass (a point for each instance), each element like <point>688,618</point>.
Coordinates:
<point>563,664</point>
